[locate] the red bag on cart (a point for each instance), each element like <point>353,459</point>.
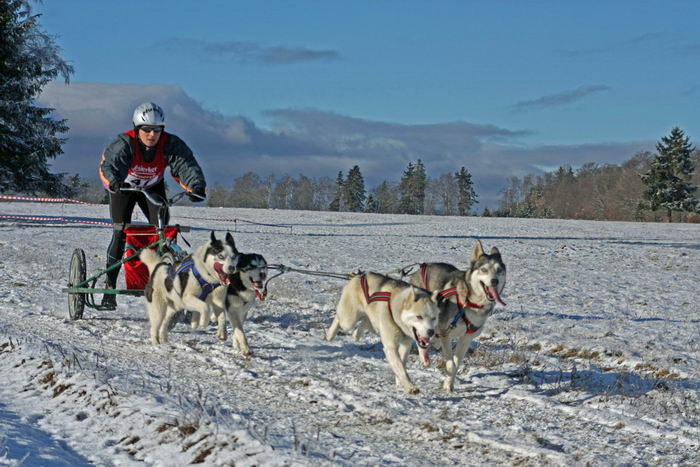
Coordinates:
<point>139,237</point>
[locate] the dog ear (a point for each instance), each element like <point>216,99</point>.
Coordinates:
<point>435,297</point>
<point>230,242</point>
<point>476,253</point>
<point>494,252</point>
<point>212,237</point>
<point>412,295</point>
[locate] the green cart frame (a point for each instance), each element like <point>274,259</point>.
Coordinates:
<point>81,290</point>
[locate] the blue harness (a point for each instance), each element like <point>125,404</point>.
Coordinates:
<point>207,287</point>
<point>471,329</point>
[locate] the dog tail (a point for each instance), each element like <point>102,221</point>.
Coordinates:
<point>150,258</point>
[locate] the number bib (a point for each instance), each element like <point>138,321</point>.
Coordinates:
<point>144,174</point>
<point>141,176</point>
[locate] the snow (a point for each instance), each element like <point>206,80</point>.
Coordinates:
<point>595,360</point>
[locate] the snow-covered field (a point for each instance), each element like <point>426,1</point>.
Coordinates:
<point>595,360</point>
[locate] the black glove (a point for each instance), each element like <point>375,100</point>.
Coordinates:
<point>197,194</point>
<point>116,186</point>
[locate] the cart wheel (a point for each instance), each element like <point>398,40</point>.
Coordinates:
<point>76,275</point>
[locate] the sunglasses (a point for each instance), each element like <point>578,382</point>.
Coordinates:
<point>149,129</point>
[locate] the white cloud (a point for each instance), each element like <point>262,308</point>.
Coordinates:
<point>309,141</point>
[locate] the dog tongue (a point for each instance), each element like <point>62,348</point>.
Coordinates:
<point>223,277</point>
<point>495,296</point>
<point>425,355</point>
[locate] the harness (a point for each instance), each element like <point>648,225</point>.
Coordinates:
<point>451,292</point>
<point>188,264</point>
<point>376,296</point>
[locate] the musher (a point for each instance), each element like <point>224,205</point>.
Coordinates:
<point>137,159</point>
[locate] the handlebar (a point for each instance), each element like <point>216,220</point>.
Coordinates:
<point>158,200</point>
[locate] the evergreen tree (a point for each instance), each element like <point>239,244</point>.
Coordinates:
<point>668,180</point>
<point>418,184</point>
<point>467,195</point>
<point>405,204</point>
<point>338,196</point>
<point>354,190</point>
<point>371,205</point>
<point>412,189</point>
<point>29,59</point>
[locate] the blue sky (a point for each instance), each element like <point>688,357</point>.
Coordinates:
<point>501,87</point>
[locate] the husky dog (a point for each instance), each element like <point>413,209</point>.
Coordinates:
<point>235,300</point>
<point>469,298</point>
<point>397,311</point>
<point>186,285</point>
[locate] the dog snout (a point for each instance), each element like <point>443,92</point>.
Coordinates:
<point>494,282</point>
<point>431,332</point>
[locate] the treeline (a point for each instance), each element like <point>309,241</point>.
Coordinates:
<point>658,186</point>
<point>450,194</point>
<point>647,187</point>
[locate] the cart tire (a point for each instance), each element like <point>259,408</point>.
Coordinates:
<point>76,275</point>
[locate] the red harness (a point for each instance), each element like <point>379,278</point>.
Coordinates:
<point>376,296</point>
<point>447,293</point>
<point>451,292</point>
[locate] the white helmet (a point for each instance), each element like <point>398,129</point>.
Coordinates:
<point>148,113</point>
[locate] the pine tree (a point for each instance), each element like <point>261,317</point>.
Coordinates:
<point>412,189</point>
<point>354,190</point>
<point>467,195</point>
<point>405,204</point>
<point>29,59</point>
<point>418,184</point>
<point>338,196</point>
<point>668,180</point>
<point>371,205</point>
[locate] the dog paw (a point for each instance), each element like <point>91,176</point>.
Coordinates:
<point>247,353</point>
<point>413,390</point>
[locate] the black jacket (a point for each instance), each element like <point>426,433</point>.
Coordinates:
<point>117,158</point>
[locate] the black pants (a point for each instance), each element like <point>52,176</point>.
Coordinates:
<point>121,206</point>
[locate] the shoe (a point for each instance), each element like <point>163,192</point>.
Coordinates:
<point>109,301</point>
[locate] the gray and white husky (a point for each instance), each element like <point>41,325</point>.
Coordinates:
<point>400,313</point>
<point>187,285</point>
<point>469,297</point>
<point>245,286</point>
